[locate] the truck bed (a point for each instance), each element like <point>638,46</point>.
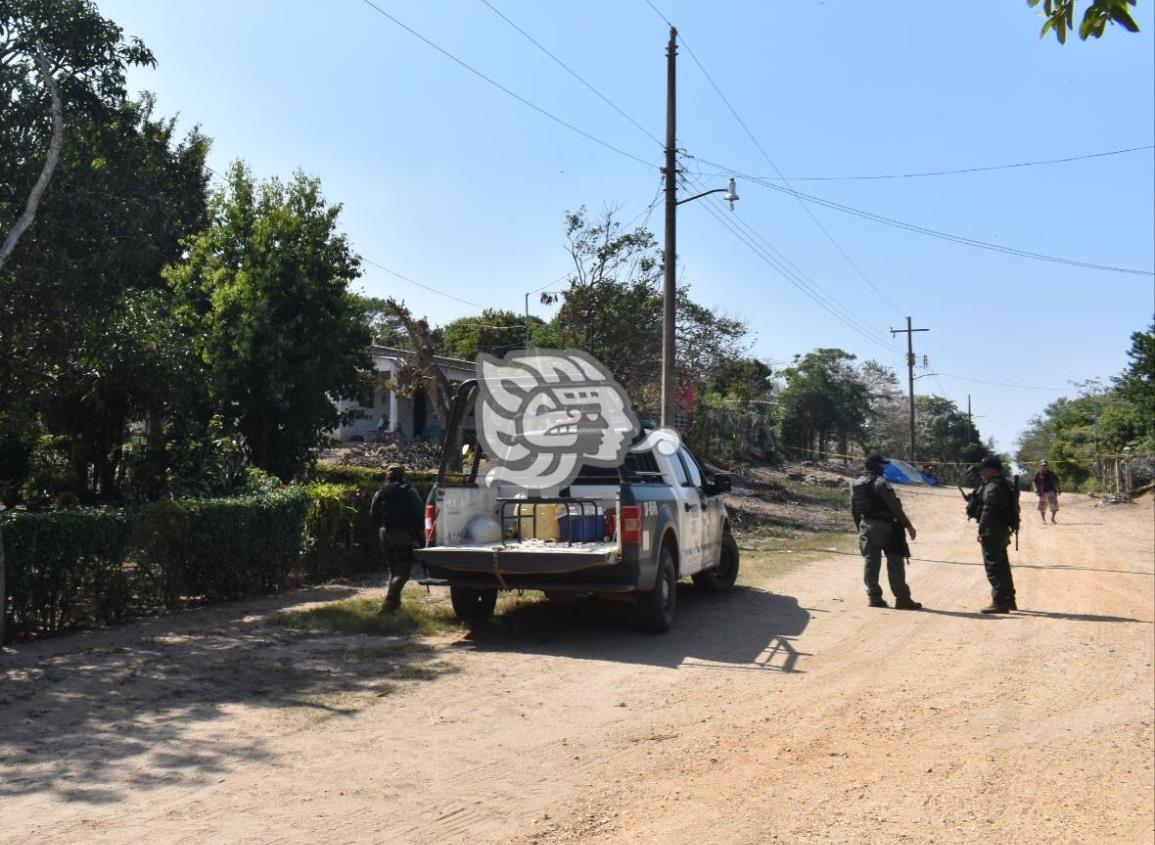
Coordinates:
<point>527,557</point>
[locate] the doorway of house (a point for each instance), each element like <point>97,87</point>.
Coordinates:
<point>419,412</point>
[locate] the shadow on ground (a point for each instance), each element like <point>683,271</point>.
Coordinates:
<point>747,628</point>
<point>91,717</point>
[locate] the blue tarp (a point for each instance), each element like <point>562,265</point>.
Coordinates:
<point>900,472</point>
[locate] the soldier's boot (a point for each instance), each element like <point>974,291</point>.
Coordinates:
<point>907,604</point>
<point>878,602</point>
<point>1012,605</point>
<point>996,608</point>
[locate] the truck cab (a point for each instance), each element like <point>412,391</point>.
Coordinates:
<point>631,531</point>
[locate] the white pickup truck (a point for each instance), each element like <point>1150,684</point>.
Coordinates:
<point>633,531</point>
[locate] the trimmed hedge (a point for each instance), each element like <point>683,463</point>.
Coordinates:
<point>340,539</point>
<point>92,566</point>
<point>369,477</point>
<point>64,565</point>
<point>80,567</point>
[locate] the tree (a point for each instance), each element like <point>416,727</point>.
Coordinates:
<point>420,370</point>
<point>385,327</point>
<point>707,342</point>
<point>51,54</point>
<point>495,332</point>
<point>1077,435</point>
<point>612,309</point>
<point>825,399</point>
<point>1136,384</point>
<point>265,291</point>
<point>126,194</point>
<point>1060,17</point>
<point>888,423</point>
<point>743,379</point>
<point>944,433</point>
<point>54,58</point>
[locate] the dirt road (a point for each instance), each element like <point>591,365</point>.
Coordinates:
<point>787,711</point>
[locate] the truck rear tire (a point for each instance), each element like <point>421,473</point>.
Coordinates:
<point>720,578</point>
<point>472,604</point>
<point>656,607</point>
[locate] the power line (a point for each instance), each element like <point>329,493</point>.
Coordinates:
<point>658,12</point>
<point>429,288</point>
<point>923,230</point>
<point>1004,384</point>
<point>964,170</point>
<point>572,72</point>
<point>798,272</point>
<point>793,279</point>
<point>810,213</point>
<point>506,90</point>
<point>556,281</point>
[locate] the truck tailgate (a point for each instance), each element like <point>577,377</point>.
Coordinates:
<point>529,557</point>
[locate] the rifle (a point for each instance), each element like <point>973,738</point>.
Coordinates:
<point>972,501</point>
<point>1015,486</point>
<point>898,541</point>
<point>904,546</point>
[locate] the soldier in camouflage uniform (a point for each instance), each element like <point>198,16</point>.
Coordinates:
<point>881,521</point>
<point>399,514</point>
<point>995,506</point>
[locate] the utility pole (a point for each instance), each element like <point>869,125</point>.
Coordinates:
<point>670,256</point>
<point>909,332</point>
<point>970,417</point>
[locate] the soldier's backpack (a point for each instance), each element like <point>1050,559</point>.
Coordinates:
<point>975,505</point>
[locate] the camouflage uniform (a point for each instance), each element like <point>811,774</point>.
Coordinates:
<point>881,521</point>
<point>996,511</point>
<point>399,513</point>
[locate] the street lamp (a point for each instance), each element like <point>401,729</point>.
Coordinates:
<point>730,197</point>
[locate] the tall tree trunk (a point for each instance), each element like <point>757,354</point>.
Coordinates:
<point>55,146</point>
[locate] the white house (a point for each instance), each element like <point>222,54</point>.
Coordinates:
<point>406,417</point>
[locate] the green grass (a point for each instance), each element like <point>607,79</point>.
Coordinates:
<point>364,616</point>
<point>834,496</point>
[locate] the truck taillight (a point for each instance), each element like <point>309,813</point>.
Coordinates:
<point>430,524</point>
<point>630,525</point>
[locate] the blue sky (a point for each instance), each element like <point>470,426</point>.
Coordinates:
<point>449,181</point>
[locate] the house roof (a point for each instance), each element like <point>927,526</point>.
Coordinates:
<point>440,360</point>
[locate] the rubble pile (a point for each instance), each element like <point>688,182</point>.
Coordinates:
<point>415,455</point>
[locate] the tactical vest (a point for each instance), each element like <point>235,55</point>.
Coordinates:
<point>396,509</point>
<point>1006,514</point>
<point>867,503</point>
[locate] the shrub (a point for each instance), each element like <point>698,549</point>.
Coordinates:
<point>66,567</point>
<point>236,547</point>
<point>370,478</point>
<point>85,566</point>
<point>339,538</point>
